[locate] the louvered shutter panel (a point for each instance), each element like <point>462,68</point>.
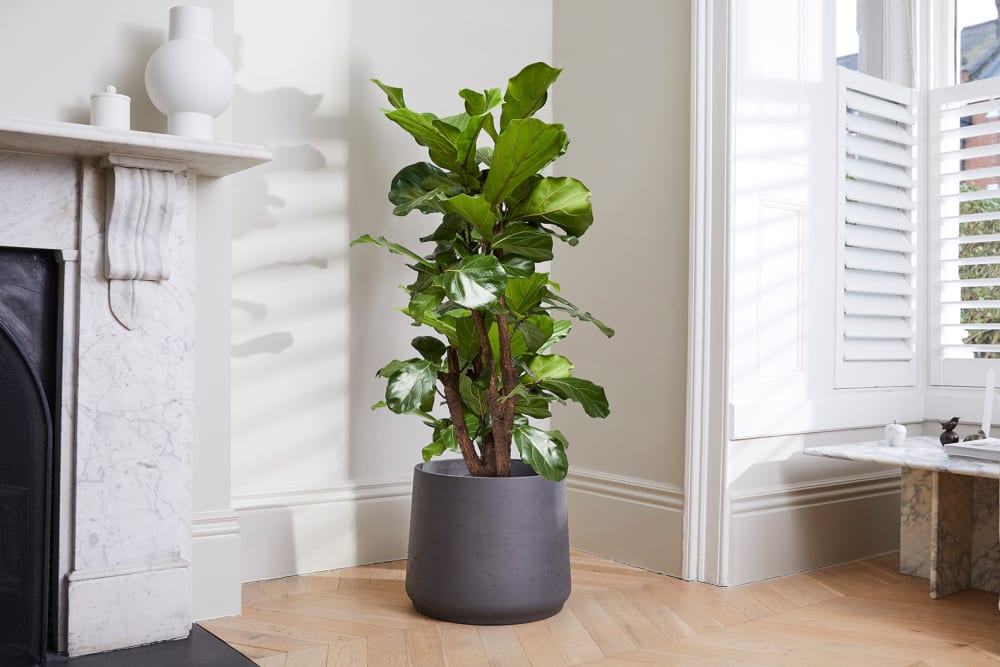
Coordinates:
<point>964,226</point>
<point>876,268</point>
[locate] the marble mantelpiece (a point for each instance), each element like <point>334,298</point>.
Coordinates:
<point>949,511</point>
<point>126,395</point>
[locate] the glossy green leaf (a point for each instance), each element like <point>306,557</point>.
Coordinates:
<point>548,367</point>
<point>429,347</point>
<point>517,266</point>
<point>411,187</point>
<point>476,283</point>
<point>436,448</point>
<point>533,405</point>
<point>590,396</point>
<point>526,240</point>
<point>421,127</point>
<point>450,227</point>
<point>536,330</point>
<point>466,339</point>
<point>484,155</point>
<point>560,329</point>
<point>394,248</point>
<point>545,453</point>
<point>423,309</point>
<point>526,92</point>
<point>378,405</point>
<point>518,347</point>
<point>524,294</point>
<point>522,149</point>
<point>411,387</point>
<point>475,210</point>
<point>395,95</point>
<point>390,368</point>
<point>473,394</point>
<point>563,202</point>
<point>556,302</point>
<point>465,145</point>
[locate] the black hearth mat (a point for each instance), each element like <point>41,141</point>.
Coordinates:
<point>200,649</point>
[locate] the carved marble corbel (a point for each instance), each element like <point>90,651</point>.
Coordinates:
<point>142,200</point>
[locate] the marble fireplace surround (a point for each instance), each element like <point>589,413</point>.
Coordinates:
<point>117,207</point>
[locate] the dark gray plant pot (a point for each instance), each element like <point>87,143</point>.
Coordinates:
<point>487,551</point>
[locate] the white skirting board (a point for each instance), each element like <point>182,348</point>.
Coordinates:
<point>796,527</point>
<point>285,534</point>
<point>215,564</point>
<point>632,520</point>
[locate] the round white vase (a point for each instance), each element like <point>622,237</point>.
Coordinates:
<point>188,78</point>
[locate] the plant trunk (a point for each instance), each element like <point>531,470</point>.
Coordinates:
<point>478,467</point>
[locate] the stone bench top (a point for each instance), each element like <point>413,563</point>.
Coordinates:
<point>922,452</point>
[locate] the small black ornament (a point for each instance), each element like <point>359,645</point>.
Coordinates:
<point>948,436</point>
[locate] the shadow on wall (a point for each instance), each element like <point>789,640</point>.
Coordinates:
<point>288,314</point>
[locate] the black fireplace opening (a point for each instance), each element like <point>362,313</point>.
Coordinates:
<point>29,367</point>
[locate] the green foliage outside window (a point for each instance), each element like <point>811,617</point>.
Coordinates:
<point>988,249</point>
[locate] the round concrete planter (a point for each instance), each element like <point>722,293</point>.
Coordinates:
<point>487,551</point>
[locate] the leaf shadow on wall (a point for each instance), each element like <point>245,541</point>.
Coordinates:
<point>288,297</point>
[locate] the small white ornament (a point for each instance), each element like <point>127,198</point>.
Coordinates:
<point>188,78</point>
<point>895,434</point>
<point>110,109</point>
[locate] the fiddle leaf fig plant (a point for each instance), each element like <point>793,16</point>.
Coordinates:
<point>495,317</point>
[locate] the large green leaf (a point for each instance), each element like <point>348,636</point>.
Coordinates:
<point>524,294</point>
<point>476,103</point>
<point>466,339</point>
<point>560,329</point>
<point>395,95</point>
<point>534,405</point>
<point>590,396</point>
<point>518,347</point>
<point>421,127</point>
<point>537,331</point>
<point>544,451</point>
<point>423,309</point>
<point>450,227</point>
<point>563,202</point>
<point>520,238</point>
<point>474,394</point>
<point>476,210</point>
<point>411,387</point>
<point>476,283</point>
<point>523,148</point>
<point>526,92</point>
<point>429,347</point>
<point>517,266</point>
<point>409,188</point>
<point>394,248</point>
<point>549,367</point>
<point>465,145</point>
<point>558,303</point>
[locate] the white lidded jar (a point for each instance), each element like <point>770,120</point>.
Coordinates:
<point>188,78</point>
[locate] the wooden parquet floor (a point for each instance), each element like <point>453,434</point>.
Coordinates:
<point>862,613</point>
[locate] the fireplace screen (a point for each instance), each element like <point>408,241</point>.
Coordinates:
<point>28,319</point>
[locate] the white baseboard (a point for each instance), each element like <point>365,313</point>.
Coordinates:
<point>795,527</point>
<point>627,519</point>
<point>216,553</point>
<point>289,533</point>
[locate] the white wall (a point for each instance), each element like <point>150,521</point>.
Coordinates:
<point>319,480</point>
<point>56,53</point>
<point>624,98</point>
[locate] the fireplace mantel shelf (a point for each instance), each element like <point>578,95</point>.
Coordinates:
<point>199,156</point>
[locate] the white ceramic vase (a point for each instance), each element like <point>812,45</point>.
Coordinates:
<point>188,78</point>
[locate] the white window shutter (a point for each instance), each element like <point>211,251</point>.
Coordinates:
<point>876,282</point>
<point>964,228</point>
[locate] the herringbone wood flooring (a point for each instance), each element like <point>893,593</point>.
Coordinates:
<point>863,613</point>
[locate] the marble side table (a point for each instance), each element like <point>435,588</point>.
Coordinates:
<point>949,527</point>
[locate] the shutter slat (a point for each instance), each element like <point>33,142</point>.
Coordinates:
<point>879,195</point>
<point>878,150</point>
<point>971,261</point>
<point>878,107</point>
<point>973,109</point>
<point>973,282</point>
<point>877,260</point>
<point>877,216</point>
<point>877,172</point>
<point>972,195</point>
<point>872,282</point>
<point>877,327</point>
<point>972,217</point>
<point>877,304</point>
<point>877,350</point>
<point>879,129</point>
<point>969,153</point>
<point>973,327</point>
<point>967,131</point>
<point>973,238</point>
<point>861,236</point>
<point>953,178</point>
<point>973,305</point>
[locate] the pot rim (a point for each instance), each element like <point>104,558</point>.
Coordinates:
<point>424,467</point>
